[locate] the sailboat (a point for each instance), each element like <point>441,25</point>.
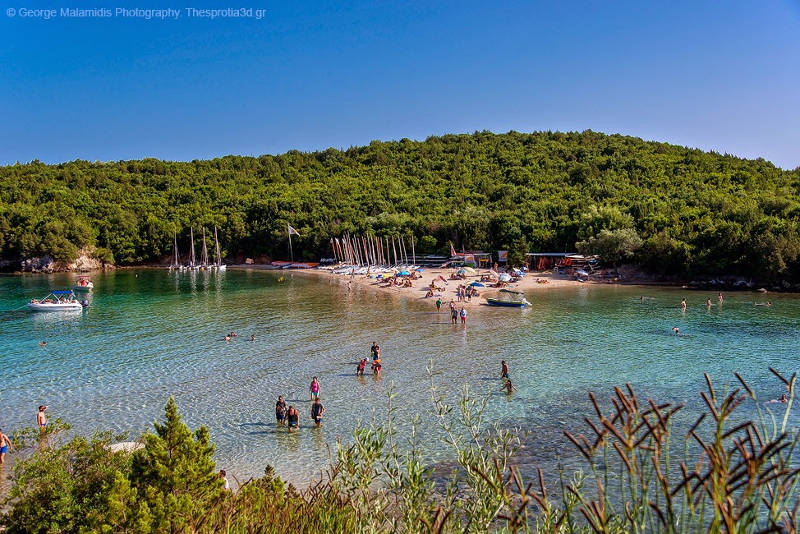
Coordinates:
<point>191,254</point>
<point>204,265</point>
<point>218,257</point>
<point>175,263</point>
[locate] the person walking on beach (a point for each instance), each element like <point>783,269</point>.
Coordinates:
<point>293,417</point>
<point>317,411</point>
<point>314,388</point>
<point>463,314</point>
<point>41,418</point>
<point>504,369</point>
<point>280,411</point>
<point>5,445</point>
<point>438,305</point>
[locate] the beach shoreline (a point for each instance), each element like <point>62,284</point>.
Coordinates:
<point>533,281</point>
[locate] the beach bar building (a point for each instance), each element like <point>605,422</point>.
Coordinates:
<point>478,257</point>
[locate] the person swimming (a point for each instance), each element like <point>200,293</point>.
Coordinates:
<point>782,400</point>
<point>43,343</point>
<point>252,338</point>
<point>676,330</point>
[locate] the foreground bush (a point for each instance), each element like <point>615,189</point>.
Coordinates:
<point>735,475</point>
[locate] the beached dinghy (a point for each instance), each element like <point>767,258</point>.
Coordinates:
<point>517,300</point>
<point>57,301</point>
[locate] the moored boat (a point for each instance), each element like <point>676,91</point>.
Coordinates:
<point>57,300</point>
<point>82,285</point>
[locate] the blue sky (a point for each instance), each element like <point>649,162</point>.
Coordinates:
<point>715,75</point>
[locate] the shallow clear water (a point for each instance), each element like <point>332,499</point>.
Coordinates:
<point>149,335</point>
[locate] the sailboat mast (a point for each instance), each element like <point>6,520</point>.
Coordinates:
<point>191,238</point>
<point>218,257</point>
<point>205,249</point>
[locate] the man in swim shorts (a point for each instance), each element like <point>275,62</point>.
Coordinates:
<point>504,369</point>
<point>453,315</point>
<point>41,419</point>
<point>317,411</point>
<point>438,305</point>
<point>463,316</point>
<point>280,411</point>
<point>5,445</point>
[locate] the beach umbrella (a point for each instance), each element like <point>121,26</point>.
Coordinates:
<point>505,277</point>
<point>461,271</point>
<point>477,284</point>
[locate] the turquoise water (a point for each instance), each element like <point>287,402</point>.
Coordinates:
<point>149,334</point>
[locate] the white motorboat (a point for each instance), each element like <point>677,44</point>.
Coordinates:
<point>57,300</point>
<point>82,285</point>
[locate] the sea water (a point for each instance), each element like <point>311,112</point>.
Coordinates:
<point>150,334</point>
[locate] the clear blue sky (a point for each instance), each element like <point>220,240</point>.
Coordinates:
<point>722,75</point>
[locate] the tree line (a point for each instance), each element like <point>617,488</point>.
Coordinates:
<point>670,209</point>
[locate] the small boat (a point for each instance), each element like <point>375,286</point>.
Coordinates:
<point>57,300</point>
<point>82,285</point>
<point>508,303</point>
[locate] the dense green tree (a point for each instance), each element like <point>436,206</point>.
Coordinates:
<point>696,212</point>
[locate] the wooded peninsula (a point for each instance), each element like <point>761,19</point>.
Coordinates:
<point>669,209</point>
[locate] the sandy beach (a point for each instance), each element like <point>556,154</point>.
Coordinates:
<point>533,281</point>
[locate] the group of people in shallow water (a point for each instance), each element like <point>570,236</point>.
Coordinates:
<point>455,314</point>
<point>288,415</point>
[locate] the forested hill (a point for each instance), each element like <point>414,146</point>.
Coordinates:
<point>670,208</point>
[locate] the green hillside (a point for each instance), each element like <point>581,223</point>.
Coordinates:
<point>694,212</point>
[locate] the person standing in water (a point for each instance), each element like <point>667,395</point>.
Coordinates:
<point>683,305</point>
<point>438,305</point>
<point>252,338</point>
<point>708,302</point>
<point>41,418</point>
<point>719,298</point>
<point>504,369</point>
<point>317,411</point>
<point>463,316</point>
<point>453,315</point>
<point>280,411</point>
<point>5,445</point>
<point>509,387</point>
<point>314,388</point>
<point>224,477</point>
<point>293,417</point>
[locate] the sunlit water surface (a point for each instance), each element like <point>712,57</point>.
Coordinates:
<point>149,334</point>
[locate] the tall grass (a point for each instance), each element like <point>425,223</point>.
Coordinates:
<point>732,471</point>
